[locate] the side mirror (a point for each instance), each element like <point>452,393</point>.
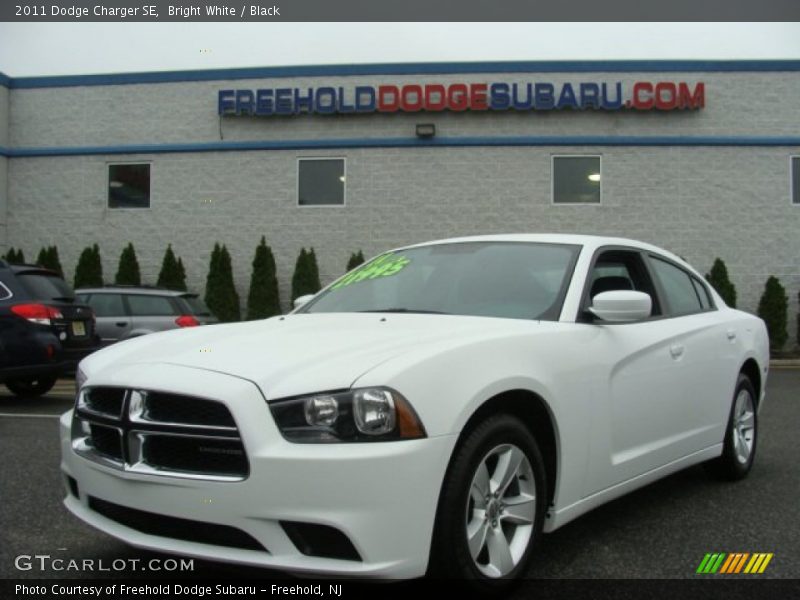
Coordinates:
<point>621,306</point>
<point>301,300</point>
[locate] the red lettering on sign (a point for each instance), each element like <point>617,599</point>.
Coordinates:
<point>477,96</point>
<point>457,97</point>
<point>687,99</point>
<point>642,95</point>
<point>384,93</point>
<point>411,98</point>
<point>435,90</point>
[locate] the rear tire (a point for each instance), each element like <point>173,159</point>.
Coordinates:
<point>741,435</point>
<point>32,387</point>
<point>491,508</point>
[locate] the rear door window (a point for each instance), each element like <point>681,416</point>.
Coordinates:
<point>107,305</point>
<point>150,306</point>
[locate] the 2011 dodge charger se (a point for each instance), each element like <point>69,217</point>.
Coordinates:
<point>435,410</point>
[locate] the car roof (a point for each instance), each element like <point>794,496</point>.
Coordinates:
<point>132,289</point>
<point>590,242</point>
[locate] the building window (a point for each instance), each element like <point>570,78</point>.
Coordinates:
<point>795,179</point>
<point>320,181</point>
<point>129,185</point>
<point>576,179</point>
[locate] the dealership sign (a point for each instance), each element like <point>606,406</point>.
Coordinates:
<point>459,97</point>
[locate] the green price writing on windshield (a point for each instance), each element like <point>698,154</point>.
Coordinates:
<point>383,266</point>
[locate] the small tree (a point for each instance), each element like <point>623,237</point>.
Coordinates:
<point>48,258</point>
<point>181,275</point>
<point>89,272</point>
<point>306,275</point>
<point>42,258</point>
<point>356,258</point>
<point>212,281</point>
<point>170,275</point>
<point>718,278</point>
<point>263,300</point>
<point>221,296</point>
<point>313,269</point>
<point>773,308</point>
<point>128,270</point>
<point>798,322</point>
<point>15,257</point>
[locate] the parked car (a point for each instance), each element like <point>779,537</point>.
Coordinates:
<point>44,331</point>
<point>435,410</point>
<point>124,312</point>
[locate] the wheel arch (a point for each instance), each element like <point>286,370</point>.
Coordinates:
<point>534,412</point>
<point>751,369</point>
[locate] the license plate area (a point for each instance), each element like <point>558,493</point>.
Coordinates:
<point>78,329</point>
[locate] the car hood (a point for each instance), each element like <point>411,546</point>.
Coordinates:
<point>297,354</point>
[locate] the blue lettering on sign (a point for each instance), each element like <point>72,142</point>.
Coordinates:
<point>303,102</point>
<point>343,106</point>
<point>226,102</point>
<point>365,99</point>
<point>615,104</point>
<point>590,95</point>
<point>245,102</point>
<point>525,104</point>
<point>325,101</point>
<point>545,96</point>
<point>283,101</point>
<point>498,97</point>
<point>567,97</point>
<point>264,104</point>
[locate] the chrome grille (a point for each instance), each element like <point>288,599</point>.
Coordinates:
<point>158,433</point>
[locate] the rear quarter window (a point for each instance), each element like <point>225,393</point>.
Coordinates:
<point>678,287</point>
<point>196,306</point>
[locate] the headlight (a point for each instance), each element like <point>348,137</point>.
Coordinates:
<point>80,379</point>
<point>360,415</point>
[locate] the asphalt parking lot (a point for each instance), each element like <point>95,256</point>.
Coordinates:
<point>661,531</point>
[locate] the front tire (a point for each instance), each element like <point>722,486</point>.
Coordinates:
<point>741,435</point>
<point>492,506</point>
<point>32,387</point>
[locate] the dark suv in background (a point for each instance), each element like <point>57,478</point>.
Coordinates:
<point>124,312</point>
<point>44,330</point>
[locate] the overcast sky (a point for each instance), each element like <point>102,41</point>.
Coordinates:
<point>80,48</point>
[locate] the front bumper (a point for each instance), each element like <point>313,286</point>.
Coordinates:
<point>382,496</point>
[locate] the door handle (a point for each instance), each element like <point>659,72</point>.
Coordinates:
<point>121,323</point>
<point>676,351</point>
<point>731,334</point>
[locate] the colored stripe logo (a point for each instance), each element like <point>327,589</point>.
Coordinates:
<point>734,563</point>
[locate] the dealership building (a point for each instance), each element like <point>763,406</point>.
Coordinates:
<point>702,158</point>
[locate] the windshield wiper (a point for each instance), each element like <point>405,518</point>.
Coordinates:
<point>404,310</point>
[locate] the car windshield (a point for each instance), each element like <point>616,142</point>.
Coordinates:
<point>41,286</point>
<point>495,279</point>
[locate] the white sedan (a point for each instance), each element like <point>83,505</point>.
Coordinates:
<point>435,410</point>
